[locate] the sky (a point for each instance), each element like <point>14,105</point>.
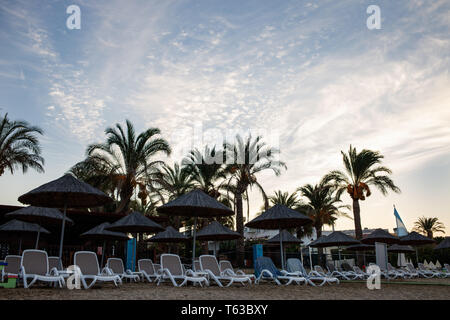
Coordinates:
<point>309,76</point>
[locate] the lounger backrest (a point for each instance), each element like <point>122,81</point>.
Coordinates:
<point>13,264</point>
<point>54,262</point>
<point>266,263</point>
<point>116,265</point>
<point>319,269</point>
<point>356,269</point>
<point>172,262</point>
<point>197,266</point>
<point>295,265</point>
<point>208,262</point>
<point>331,267</point>
<point>157,267</point>
<point>35,262</point>
<point>87,262</point>
<point>421,266</point>
<point>224,265</point>
<point>147,266</point>
<point>346,267</point>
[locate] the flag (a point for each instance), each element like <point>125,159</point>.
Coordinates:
<point>401,229</point>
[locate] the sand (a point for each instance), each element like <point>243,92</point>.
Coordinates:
<point>427,289</point>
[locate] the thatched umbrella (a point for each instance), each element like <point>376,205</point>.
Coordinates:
<point>39,215</point>
<point>16,226</point>
<point>195,204</point>
<point>100,233</point>
<point>379,235</point>
<point>170,235</point>
<point>286,238</point>
<point>396,248</point>
<point>135,223</point>
<point>279,217</point>
<point>216,232</point>
<point>445,244</point>
<point>336,238</point>
<point>415,239</point>
<point>65,192</point>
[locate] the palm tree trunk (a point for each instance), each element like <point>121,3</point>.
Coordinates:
<point>240,229</point>
<point>358,229</point>
<point>430,234</point>
<point>320,250</point>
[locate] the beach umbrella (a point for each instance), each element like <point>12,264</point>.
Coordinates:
<point>379,235</point>
<point>170,235</point>
<point>65,192</point>
<point>286,238</point>
<point>415,239</point>
<point>396,248</point>
<point>39,215</point>
<point>279,217</point>
<point>445,244</point>
<point>135,223</point>
<point>216,232</point>
<point>195,203</point>
<point>335,239</point>
<point>21,227</point>
<point>100,233</point>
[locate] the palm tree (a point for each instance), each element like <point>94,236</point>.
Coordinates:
<point>428,226</point>
<point>206,169</point>
<point>245,159</point>
<point>19,146</point>
<point>322,206</point>
<point>128,159</point>
<point>362,170</point>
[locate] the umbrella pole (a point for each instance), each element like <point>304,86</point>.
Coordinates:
<point>339,253</point>
<point>195,234</point>
<point>37,238</point>
<point>20,246</point>
<point>417,257</point>
<point>62,234</point>
<point>103,254</point>
<point>310,259</point>
<point>281,251</point>
<point>301,253</point>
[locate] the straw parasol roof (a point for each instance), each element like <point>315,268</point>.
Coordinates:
<point>217,232</point>
<point>361,247</point>
<point>195,204</point>
<point>286,237</point>
<point>169,235</point>
<point>135,222</point>
<point>65,191</point>
<point>279,217</point>
<point>336,238</point>
<point>379,235</point>
<point>445,244</point>
<point>400,248</point>
<point>100,233</point>
<point>39,215</point>
<point>415,239</point>
<point>21,226</point>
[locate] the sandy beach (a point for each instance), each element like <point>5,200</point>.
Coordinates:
<point>423,289</point>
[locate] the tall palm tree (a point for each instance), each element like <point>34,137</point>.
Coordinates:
<point>323,205</point>
<point>206,169</point>
<point>428,226</point>
<point>362,170</point>
<point>129,159</point>
<point>19,146</point>
<point>245,159</point>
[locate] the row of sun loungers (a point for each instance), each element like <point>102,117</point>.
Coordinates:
<point>35,265</point>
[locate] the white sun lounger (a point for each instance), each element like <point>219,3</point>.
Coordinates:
<point>115,267</point>
<point>88,263</point>
<point>227,268</point>
<point>209,264</point>
<point>173,270</point>
<point>34,265</point>
<point>295,266</point>
<point>147,268</point>
<point>267,271</point>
